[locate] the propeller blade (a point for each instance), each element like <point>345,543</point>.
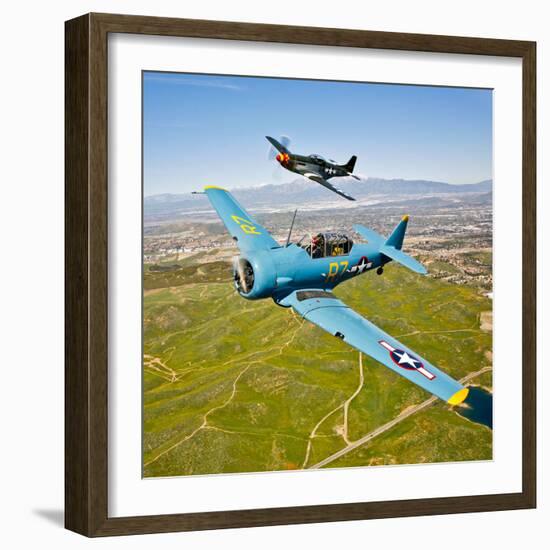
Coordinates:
<point>239,269</point>
<point>272,152</point>
<point>285,142</point>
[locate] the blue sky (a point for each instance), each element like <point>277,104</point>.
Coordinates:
<point>209,130</point>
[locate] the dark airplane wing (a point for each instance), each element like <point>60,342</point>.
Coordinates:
<point>318,179</point>
<point>323,309</point>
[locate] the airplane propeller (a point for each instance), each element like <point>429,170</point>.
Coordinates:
<point>272,153</point>
<point>238,268</point>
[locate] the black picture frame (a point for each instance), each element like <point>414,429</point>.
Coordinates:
<point>86,282</point>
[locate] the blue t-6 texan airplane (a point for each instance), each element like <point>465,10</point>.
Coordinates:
<point>302,275</point>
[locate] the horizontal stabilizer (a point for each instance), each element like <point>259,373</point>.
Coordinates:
<point>371,236</point>
<point>402,258</point>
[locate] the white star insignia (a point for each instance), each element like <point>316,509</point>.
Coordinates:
<point>406,358</point>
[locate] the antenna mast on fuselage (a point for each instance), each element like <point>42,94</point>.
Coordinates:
<point>291,226</point>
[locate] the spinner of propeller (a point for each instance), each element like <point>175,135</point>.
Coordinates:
<point>283,158</point>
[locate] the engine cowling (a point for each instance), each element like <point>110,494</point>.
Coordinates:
<point>256,277</point>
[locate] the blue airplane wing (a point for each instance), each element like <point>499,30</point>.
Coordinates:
<point>249,234</point>
<point>323,309</point>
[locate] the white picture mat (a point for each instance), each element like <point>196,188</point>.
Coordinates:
<point>129,494</point>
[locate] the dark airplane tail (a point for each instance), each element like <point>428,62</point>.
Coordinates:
<point>350,165</point>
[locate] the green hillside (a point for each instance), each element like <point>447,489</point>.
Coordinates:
<point>232,385</point>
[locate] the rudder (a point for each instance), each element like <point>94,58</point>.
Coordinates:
<point>350,165</point>
<point>398,234</point>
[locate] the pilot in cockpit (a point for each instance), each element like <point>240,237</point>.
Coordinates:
<point>316,247</point>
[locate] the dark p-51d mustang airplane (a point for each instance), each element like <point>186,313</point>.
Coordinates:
<point>314,167</point>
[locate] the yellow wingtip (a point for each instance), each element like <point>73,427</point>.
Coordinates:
<point>213,187</point>
<point>405,218</point>
<point>458,397</point>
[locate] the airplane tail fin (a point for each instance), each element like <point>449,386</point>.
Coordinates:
<point>392,248</point>
<point>398,234</point>
<point>350,165</point>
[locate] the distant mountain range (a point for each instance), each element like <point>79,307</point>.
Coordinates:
<point>300,191</point>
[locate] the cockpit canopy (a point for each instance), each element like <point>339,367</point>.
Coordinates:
<point>317,158</point>
<point>325,245</point>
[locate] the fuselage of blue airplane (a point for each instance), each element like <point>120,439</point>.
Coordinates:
<point>279,271</point>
